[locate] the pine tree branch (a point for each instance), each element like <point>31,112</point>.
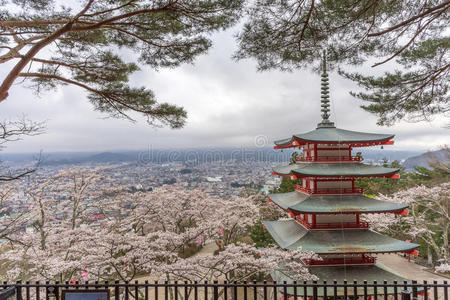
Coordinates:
<point>109,10</point>
<point>416,34</point>
<point>443,6</point>
<point>308,16</point>
<point>13,74</point>
<point>121,17</point>
<point>114,100</point>
<point>25,59</point>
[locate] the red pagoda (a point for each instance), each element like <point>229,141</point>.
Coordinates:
<point>326,208</point>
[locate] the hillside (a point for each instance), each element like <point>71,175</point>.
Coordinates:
<point>424,159</point>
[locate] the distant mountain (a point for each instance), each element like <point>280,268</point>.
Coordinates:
<point>424,159</point>
<point>377,155</point>
<point>111,157</point>
<point>189,156</point>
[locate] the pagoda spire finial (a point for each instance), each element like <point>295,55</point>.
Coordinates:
<point>325,98</point>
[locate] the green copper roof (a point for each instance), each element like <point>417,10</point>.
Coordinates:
<point>303,203</point>
<point>378,272</point>
<point>335,135</point>
<point>325,170</point>
<point>291,235</point>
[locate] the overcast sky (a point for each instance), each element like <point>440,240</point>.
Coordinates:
<point>229,103</point>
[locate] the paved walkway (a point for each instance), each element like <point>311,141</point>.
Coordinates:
<point>207,249</point>
<point>409,270</point>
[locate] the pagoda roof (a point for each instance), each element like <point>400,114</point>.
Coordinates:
<point>291,235</point>
<point>378,272</point>
<point>303,203</point>
<point>331,170</point>
<point>334,135</point>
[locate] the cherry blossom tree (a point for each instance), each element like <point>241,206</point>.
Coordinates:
<point>12,220</point>
<point>428,219</point>
<point>59,211</point>
<point>443,268</point>
<point>85,224</point>
<point>239,262</point>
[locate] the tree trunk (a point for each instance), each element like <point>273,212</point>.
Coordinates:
<point>430,257</point>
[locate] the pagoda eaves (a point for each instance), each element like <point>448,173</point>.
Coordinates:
<point>333,135</point>
<point>334,170</point>
<point>291,236</point>
<point>330,204</point>
<point>368,273</point>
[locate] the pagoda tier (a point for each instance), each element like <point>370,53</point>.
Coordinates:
<point>377,272</point>
<point>333,135</point>
<point>291,235</point>
<point>330,204</point>
<point>302,170</point>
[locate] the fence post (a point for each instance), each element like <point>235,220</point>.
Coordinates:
<point>414,289</point>
<point>19,290</point>
<point>116,290</point>
<point>315,290</point>
<point>406,295</point>
<point>216,291</point>
<point>56,290</point>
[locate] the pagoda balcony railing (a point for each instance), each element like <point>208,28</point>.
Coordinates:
<point>361,224</point>
<point>336,225</point>
<point>341,261</point>
<point>346,158</point>
<point>328,191</point>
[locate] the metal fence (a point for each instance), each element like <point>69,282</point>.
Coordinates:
<point>226,290</point>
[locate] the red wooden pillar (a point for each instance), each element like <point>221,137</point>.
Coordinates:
<point>313,223</point>
<point>357,219</point>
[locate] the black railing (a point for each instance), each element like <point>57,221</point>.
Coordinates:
<point>228,290</point>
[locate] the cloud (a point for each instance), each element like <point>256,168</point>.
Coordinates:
<point>229,103</point>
